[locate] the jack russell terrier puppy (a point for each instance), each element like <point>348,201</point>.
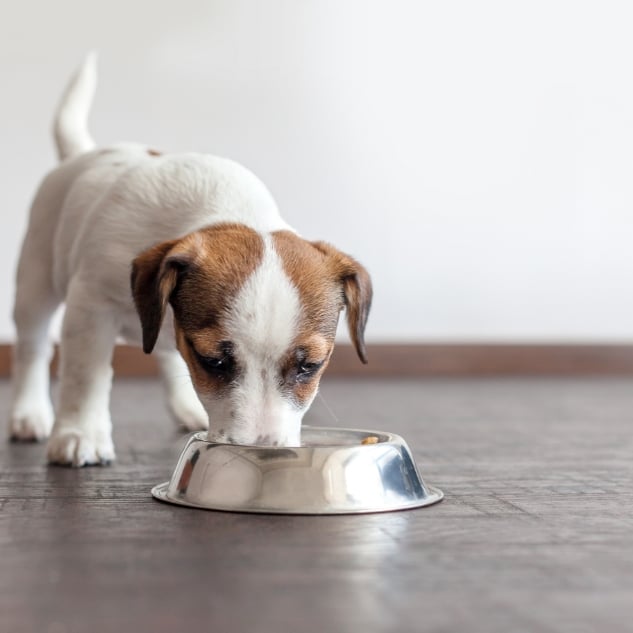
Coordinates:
<point>222,289</point>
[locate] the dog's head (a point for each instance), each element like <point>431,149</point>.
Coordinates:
<point>255,318</point>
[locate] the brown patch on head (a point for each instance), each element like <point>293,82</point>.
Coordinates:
<point>198,275</point>
<point>327,280</point>
<point>154,152</point>
<point>309,270</point>
<point>207,342</point>
<point>316,348</point>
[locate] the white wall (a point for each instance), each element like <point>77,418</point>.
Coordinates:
<point>476,156</point>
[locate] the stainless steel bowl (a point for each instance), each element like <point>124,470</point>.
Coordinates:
<point>334,471</point>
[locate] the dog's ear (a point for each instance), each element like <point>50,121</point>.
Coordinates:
<point>155,273</point>
<point>357,293</point>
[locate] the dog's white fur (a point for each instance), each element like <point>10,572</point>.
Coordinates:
<point>91,217</point>
<point>260,409</point>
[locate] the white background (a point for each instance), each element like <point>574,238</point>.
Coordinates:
<point>476,156</point>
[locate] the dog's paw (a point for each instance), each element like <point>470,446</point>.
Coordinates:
<point>31,424</point>
<point>189,413</point>
<point>74,447</point>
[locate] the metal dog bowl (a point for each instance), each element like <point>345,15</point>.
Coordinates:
<point>334,471</point>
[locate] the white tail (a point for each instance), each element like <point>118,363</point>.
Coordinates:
<point>71,120</point>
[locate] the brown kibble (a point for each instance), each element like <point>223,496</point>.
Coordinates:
<point>370,439</point>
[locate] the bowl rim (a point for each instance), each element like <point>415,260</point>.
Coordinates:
<point>389,438</point>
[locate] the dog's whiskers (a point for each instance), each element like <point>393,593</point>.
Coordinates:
<point>181,377</point>
<point>328,408</point>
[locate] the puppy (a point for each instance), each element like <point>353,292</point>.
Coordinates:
<point>186,254</point>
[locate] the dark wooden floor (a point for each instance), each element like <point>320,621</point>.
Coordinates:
<point>535,533</point>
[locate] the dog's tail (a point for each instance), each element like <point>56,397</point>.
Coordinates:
<point>71,119</point>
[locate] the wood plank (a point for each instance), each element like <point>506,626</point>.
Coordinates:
<point>429,359</point>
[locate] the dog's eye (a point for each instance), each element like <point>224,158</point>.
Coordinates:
<point>219,366</point>
<point>305,371</point>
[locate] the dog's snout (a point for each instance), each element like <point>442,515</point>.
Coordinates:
<point>255,421</point>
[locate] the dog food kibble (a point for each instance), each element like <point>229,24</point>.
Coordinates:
<point>370,439</point>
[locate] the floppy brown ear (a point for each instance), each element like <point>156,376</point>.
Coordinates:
<point>357,293</point>
<point>154,277</point>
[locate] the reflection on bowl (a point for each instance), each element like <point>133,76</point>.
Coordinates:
<point>334,471</point>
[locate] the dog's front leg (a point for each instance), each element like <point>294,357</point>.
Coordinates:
<point>183,403</point>
<point>82,434</point>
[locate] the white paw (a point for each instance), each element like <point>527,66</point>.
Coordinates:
<point>189,413</point>
<point>75,447</point>
<point>31,424</point>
